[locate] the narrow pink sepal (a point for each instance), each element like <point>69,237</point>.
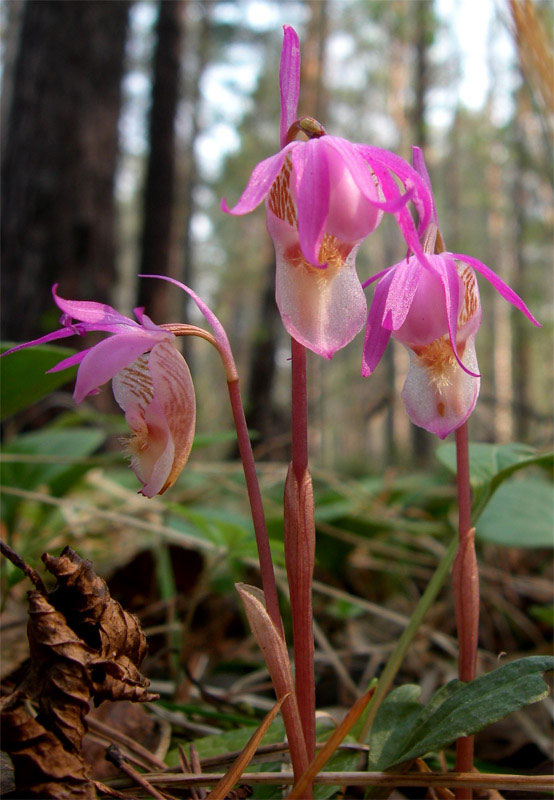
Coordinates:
<point>501,287</point>
<point>391,191</point>
<point>421,167</point>
<point>408,175</point>
<point>62,333</point>
<point>376,277</point>
<point>445,268</point>
<point>70,361</point>
<point>111,355</point>
<point>289,80</point>
<point>260,182</point>
<point>145,320</point>
<point>218,329</point>
<point>376,336</point>
<point>355,164</point>
<point>362,176</point>
<point>91,312</point>
<point>311,171</point>
<point>405,280</point>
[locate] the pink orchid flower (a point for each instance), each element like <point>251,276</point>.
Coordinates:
<point>323,197</point>
<point>433,307</point>
<point>150,379</point>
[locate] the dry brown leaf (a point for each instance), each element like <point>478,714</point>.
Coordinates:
<point>59,675</point>
<point>101,622</point>
<point>276,657</point>
<point>43,768</point>
<point>83,648</point>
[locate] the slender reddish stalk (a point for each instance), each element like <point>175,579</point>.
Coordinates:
<point>256,507</point>
<point>299,411</point>
<point>465,580</point>
<point>300,548</point>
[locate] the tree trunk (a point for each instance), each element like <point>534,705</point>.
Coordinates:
<point>160,177</point>
<point>59,158</point>
<point>198,48</point>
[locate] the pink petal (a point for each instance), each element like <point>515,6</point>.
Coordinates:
<point>448,273</point>
<point>426,320</point>
<point>352,216</point>
<point>376,336</point>
<point>91,312</point>
<point>362,175</point>
<point>312,190</point>
<point>405,280</point>
<point>355,164</point>
<point>442,406</point>
<point>260,182</point>
<point>502,288</point>
<point>289,80</point>
<point>111,355</point>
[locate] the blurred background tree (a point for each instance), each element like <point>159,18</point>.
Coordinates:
<point>125,123</point>
<point>59,149</point>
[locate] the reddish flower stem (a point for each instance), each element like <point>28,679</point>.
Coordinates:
<point>299,411</point>
<point>256,507</point>
<point>300,548</point>
<point>465,580</point>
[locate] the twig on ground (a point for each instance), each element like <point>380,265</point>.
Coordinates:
<point>113,735</point>
<point>115,756</point>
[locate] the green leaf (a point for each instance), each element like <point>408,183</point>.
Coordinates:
<point>230,741</point>
<point>49,460</point>
<point>25,379</point>
<point>544,614</point>
<point>395,718</point>
<point>521,514</point>
<point>226,530</point>
<point>490,465</point>
<point>457,709</point>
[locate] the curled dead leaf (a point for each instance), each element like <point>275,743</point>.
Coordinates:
<point>84,648</point>
<point>43,768</point>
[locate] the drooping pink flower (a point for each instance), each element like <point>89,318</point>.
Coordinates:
<point>323,197</point>
<point>433,307</point>
<point>150,380</point>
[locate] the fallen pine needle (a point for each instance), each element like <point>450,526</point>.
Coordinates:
<point>331,745</point>
<point>222,787</point>
<point>450,779</point>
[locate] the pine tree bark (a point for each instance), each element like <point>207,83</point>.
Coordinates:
<point>59,158</point>
<point>160,179</point>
